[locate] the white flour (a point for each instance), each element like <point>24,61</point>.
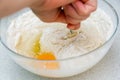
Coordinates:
<point>25,30</point>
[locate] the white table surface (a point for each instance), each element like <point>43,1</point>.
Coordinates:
<point>107,69</point>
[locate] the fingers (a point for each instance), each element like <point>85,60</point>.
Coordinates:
<point>79,10</point>
<point>70,11</point>
<point>85,9</point>
<point>91,5</point>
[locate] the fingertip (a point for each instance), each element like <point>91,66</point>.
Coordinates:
<point>73,26</point>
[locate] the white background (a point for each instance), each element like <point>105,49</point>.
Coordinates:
<point>107,69</point>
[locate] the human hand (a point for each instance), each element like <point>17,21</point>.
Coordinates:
<point>73,12</point>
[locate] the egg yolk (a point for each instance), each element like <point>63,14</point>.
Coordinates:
<point>44,56</point>
<point>47,64</point>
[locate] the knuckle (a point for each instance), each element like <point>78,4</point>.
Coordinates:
<point>83,13</point>
<point>86,12</point>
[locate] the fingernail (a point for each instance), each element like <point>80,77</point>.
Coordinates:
<point>70,26</point>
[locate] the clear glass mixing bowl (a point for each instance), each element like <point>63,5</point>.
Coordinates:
<point>64,67</point>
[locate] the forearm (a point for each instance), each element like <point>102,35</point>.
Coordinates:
<point>8,7</point>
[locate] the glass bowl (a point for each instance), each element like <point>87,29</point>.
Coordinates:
<point>62,67</point>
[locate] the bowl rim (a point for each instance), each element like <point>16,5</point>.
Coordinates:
<point>70,58</point>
